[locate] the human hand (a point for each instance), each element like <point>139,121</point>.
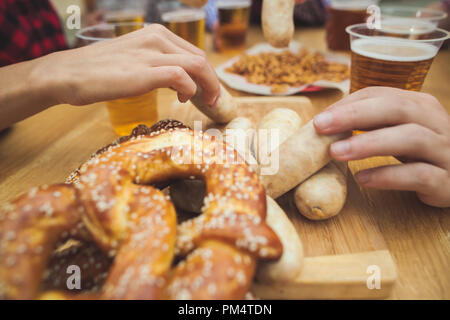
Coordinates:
<point>410,125</point>
<point>131,65</point>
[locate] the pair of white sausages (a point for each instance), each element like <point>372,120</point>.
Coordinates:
<point>304,164</point>
<point>302,152</point>
<point>189,194</point>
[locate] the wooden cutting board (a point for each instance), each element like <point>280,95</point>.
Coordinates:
<point>343,253</point>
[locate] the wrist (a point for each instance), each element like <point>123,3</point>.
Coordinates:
<point>46,80</point>
<point>25,91</point>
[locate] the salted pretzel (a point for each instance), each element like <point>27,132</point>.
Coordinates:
<point>110,204</point>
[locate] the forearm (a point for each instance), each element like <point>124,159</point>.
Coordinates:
<point>22,92</point>
<point>129,66</point>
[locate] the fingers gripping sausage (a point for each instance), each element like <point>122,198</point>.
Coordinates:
<point>300,156</point>
<point>322,195</point>
<point>225,109</point>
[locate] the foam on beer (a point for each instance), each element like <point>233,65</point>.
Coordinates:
<point>183,15</point>
<point>233,4</point>
<point>405,26</point>
<point>391,49</point>
<point>352,4</point>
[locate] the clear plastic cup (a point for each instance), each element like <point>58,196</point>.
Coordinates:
<point>125,114</point>
<point>186,22</point>
<point>124,11</point>
<point>380,59</point>
<point>419,14</point>
<point>340,15</point>
<point>234,16</point>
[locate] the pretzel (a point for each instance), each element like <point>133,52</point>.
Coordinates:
<point>110,196</point>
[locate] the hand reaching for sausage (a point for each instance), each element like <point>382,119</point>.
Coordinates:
<point>135,64</point>
<point>411,126</point>
<point>130,65</point>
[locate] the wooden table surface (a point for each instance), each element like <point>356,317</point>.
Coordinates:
<point>45,148</point>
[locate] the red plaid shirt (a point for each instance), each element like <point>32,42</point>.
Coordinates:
<point>28,29</point>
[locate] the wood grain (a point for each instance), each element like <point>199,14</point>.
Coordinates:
<point>45,148</point>
<point>335,277</point>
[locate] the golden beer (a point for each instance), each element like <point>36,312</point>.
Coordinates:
<point>392,64</point>
<point>412,29</point>
<point>401,61</point>
<point>233,25</point>
<point>340,15</point>
<point>125,20</point>
<point>125,113</point>
<point>187,23</point>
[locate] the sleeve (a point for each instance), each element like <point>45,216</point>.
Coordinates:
<point>211,14</point>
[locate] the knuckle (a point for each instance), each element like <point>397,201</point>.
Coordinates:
<point>157,28</point>
<point>364,93</point>
<point>429,99</point>
<point>352,113</point>
<point>373,92</point>
<point>404,108</point>
<point>364,144</point>
<point>198,62</point>
<point>368,91</point>
<point>443,141</point>
<point>426,177</point>
<point>418,136</point>
<point>383,178</point>
<point>153,38</point>
<point>177,73</point>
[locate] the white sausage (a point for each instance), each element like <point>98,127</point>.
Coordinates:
<point>300,156</point>
<point>323,195</point>
<point>225,109</point>
<point>289,266</point>
<point>285,121</point>
<point>239,133</point>
<point>278,22</point>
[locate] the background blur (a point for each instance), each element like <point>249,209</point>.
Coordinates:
<point>61,7</point>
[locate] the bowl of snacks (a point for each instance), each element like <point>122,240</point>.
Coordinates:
<point>265,70</point>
